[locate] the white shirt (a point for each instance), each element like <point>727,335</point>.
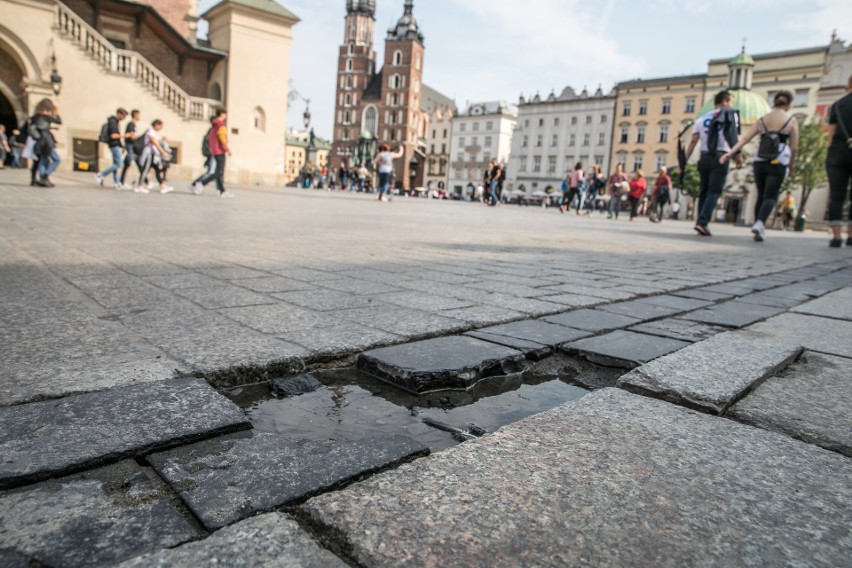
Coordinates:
<point>702,128</point>
<point>385,163</point>
<point>150,136</point>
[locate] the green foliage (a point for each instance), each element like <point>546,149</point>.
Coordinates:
<point>691,181</point>
<point>809,169</point>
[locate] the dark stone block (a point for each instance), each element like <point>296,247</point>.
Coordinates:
<point>642,310</point>
<point>763,299</point>
<point>595,321</point>
<point>97,518</point>
<point>294,386</point>
<point>624,348</point>
<point>678,303</point>
<point>701,294</point>
<point>733,314</point>
<point>530,349</point>
<point>446,362</point>
<point>45,439</point>
<point>539,331</point>
<point>234,477</point>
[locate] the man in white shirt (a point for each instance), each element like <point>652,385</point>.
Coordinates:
<point>719,128</point>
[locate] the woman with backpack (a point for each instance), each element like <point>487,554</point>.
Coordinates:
<point>776,154</point>
<point>152,157</point>
<point>41,144</point>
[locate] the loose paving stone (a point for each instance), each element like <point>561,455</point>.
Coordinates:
<point>97,518</point>
<point>542,332</point>
<point>834,305</point>
<point>732,288</point>
<point>345,338</point>
<point>484,315</point>
<point>680,329</point>
<point>402,321</point>
<point>715,373</point>
<point>234,477</point>
<point>612,479</point>
<point>733,314</point>
<point>702,295</point>
<point>225,296</point>
<point>810,401</point>
<point>814,333</point>
<point>573,300</point>
<point>675,302</point>
<point>641,310</point>
<point>595,321</point>
<point>272,540</point>
<point>44,439</point>
<point>442,363</point>
<point>530,349</point>
<point>624,348</point>
<point>763,299</point>
<point>609,293</point>
<point>803,291</point>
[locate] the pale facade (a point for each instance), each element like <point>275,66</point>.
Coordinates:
<point>481,132</point>
<point>296,148</point>
<point>438,136</point>
<point>110,58</point>
<point>649,115</point>
<point>554,134</point>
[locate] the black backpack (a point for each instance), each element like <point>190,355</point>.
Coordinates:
<point>104,135</point>
<point>770,142</point>
<point>205,145</point>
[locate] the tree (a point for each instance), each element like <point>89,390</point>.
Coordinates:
<point>691,184</point>
<point>809,169</point>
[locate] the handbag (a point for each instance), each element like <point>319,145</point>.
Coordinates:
<point>29,146</point>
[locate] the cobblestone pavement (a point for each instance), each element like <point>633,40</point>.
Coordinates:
<point>109,291</point>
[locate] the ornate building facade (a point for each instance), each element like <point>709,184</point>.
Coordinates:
<point>381,104</point>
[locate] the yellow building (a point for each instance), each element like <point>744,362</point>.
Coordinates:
<point>297,143</point>
<point>649,114</point>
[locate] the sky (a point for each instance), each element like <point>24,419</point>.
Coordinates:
<point>485,50</point>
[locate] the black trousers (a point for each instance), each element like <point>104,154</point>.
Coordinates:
<point>713,176</point>
<point>768,179</point>
<point>218,174</point>
<point>839,168</point>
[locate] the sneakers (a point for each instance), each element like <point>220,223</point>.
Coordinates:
<point>119,187</point>
<point>835,243</point>
<point>141,189</point>
<point>703,230</point>
<point>149,185</point>
<point>226,194</point>
<point>196,188</point>
<point>164,189</point>
<point>129,187</point>
<point>99,179</point>
<point>759,231</point>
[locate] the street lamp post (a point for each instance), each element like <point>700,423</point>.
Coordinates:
<point>55,77</point>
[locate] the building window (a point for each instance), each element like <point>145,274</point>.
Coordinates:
<point>637,162</point>
<point>371,120</point>
<point>625,109</point>
<point>690,105</point>
<point>526,123</point>
<point>463,127</point>
<point>640,135</point>
<point>445,133</point>
<point>434,134</point>
<point>643,108</point>
<point>348,100</point>
<point>536,164</point>
<point>526,141</point>
<point>586,139</point>
<point>661,162</point>
<point>555,140</point>
<point>460,157</point>
<point>489,125</point>
<point>573,121</point>
<point>601,138</point>
<point>417,62</point>
<point>541,122</point>
<point>556,121</point>
<point>474,141</point>
<point>572,140</point>
<point>621,159</point>
<point>603,119</point>
<point>350,49</point>
<point>801,98</point>
<point>551,164</point>
<point>599,160</point>
<point>625,134</point>
<point>395,82</point>
<point>522,165</point>
<point>486,156</point>
<point>397,57</point>
<point>588,120</point>
<point>539,141</point>
<point>461,141</point>
<point>475,126</point>
<point>346,117</point>
<point>664,134</point>
<point>348,82</point>
<point>259,119</point>
<point>487,141</point>
<point>667,106</point>
<point>349,65</point>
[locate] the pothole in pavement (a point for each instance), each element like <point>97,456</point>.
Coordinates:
<point>351,405</point>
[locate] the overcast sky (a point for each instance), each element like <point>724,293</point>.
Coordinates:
<point>479,50</point>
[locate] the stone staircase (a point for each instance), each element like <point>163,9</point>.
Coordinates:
<point>130,64</point>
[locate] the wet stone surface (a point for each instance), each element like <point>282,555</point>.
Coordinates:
<point>624,349</point>
<point>270,540</point>
<point>43,439</point>
<point>733,314</point>
<point>810,401</point>
<point>613,479</point>
<point>236,476</point>
<point>594,321</point>
<point>531,349</point>
<point>97,518</point>
<point>445,362</point>
<point>294,386</point>
<point>680,329</point>
<point>538,331</point>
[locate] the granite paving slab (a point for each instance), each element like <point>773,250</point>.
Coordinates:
<point>834,305</point>
<point>272,540</point>
<point>803,291</point>
<point>715,373</point>
<point>323,300</point>
<point>733,288</point>
<point>271,284</point>
<point>530,349</point>
<point>680,329</point>
<point>611,294</point>
<point>642,310</point>
<point>402,321</point>
<point>278,318</point>
<point>573,300</point>
<point>612,479</point>
<point>594,321</point>
<point>44,439</point>
<point>428,302</point>
<point>354,286</point>
<point>676,302</point>
<point>97,518</point>
<point>702,295</point>
<point>542,332</point>
<point>763,299</point>
<point>344,338</point>
<point>183,280</point>
<point>825,335</point>
<point>733,314</point>
<point>484,315</point>
<point>811,401</point>
<point>224,296</point>
<point>234,477</point>
<point>454,362</point>
<point>625,349</point>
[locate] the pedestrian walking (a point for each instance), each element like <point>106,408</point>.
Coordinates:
<point>787,208</point>
<point>17,147</point>
<point>111,136</point>
<point>5,149</point>
<point>661,196</point>
<point>217,140</point>
<point>130,144</point>
<point>716,133</point>
<point>776,154</point>
<point>839,166</point>
<point>617,183</point>
<point>152,157</point>
<point>597,186</point>
<point>638,186</point>
<point>575,180</point>
<point>41,144</point>
<point>384,165</point>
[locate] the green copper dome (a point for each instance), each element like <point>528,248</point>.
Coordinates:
<point>742,59</point>
<point>750,105</point>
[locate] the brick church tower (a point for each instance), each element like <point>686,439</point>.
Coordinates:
<point>380,106</point>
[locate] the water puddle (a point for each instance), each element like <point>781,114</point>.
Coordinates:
<point>351,405</point>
